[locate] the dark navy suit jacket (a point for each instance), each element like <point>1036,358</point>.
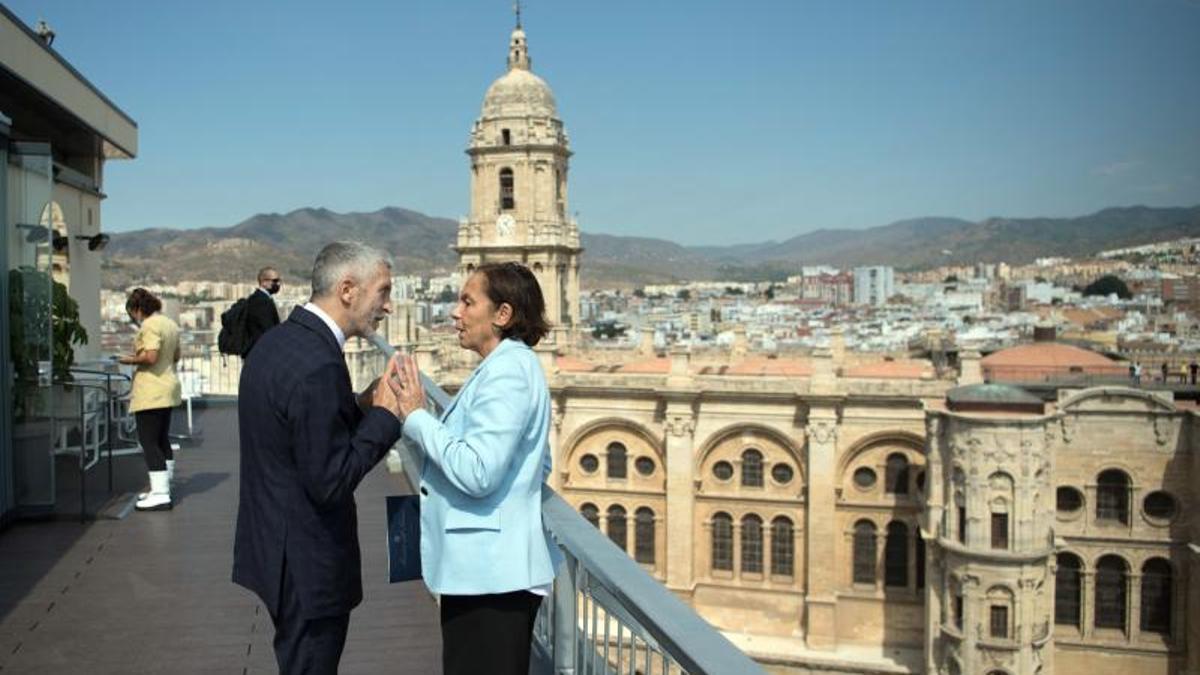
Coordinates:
<point>305,446</point>
<point>261,316</point>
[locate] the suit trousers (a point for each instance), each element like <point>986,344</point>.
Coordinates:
<point>488,633</point>
<point>308,646</point>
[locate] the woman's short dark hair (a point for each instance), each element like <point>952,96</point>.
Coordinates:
<point>513,283</point>
<point>143,301</point>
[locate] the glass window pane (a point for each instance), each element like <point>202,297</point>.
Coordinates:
<point>1156,596</point>
<point>896,481</point>
<point>644,536</point>
<point>722,542</point>
<point>782,547</point>
<point>1110,593</point>
<point>617,461</point>
<point>752,545</point>
<point>895,555</point>
<point>752,469</point>
<point>616,526</point>
<point>1067,588</point>
<point>864,552</point>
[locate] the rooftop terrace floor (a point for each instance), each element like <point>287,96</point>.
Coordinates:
<point>151,593</point>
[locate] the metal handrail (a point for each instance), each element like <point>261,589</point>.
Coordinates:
<point>85,464</point>
<point>620,595</point>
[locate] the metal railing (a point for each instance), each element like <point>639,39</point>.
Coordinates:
<point>97,419</point>
<point>606,614</point>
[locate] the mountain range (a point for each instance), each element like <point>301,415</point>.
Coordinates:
<point>422,244</point>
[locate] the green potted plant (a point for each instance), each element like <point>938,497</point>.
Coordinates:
<point>28,306</point>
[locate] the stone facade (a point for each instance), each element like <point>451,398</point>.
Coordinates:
<point>841,512</point>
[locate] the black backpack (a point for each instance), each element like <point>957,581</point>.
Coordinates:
<point>233,338</point>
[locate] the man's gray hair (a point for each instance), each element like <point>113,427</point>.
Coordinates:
<point>343,259</point>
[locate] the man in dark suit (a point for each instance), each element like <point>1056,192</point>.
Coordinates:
<point>261,313</point>
<point>306,443</point>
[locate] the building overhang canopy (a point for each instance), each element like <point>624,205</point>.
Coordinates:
<point>49,100</point>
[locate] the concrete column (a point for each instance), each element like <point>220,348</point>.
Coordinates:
<point>681,358</point>
<point>970,369</point>
<point>821,535</point>
<point>1087,600</point>
<point>1133,595</point>
<point>824,378</point>
<point>646,346</point>
<point>972,604</point>
<point>739,348</point>
<point>680,427</point>
<point>573,290</point>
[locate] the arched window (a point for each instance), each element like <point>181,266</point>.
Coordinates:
<point>591,514</point>
<point>1000,526</point>
<point>643,536</point>
<point>1156,596</point>
<point>722,542</point>
<point>752,544</point>
<point>752,468</point>
<point>1112,496</point>
<point>616,525</point>
<point>1067,590</point>
<point>783,547</point>
<point>896,480</point>
<point>864,552</point>
<point>617,460</point>
<point>999,608</point>
<point>895,555</point>
<point>1111,581</point>
<point>506,189</point>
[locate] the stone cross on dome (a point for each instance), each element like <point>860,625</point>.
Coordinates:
<point>518,50</point>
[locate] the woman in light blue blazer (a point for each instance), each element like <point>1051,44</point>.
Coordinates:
<point>483,547</point>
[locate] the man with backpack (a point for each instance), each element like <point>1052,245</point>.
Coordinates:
<point>246,321</point>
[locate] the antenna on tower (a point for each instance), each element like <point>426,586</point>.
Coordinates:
<point>517,11</point>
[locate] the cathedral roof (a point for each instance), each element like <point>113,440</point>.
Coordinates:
<point>519,93</point>
<point>994,398</point>
<point>1048,354</point>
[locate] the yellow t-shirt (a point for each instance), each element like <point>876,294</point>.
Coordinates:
<point>155,385</point>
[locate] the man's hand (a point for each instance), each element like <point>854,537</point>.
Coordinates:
<point>411,394</point>
<point>384,391</point>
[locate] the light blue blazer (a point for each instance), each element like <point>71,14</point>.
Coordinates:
<point>481,483</point>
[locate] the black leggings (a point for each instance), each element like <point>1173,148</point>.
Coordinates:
<point>152,428</point>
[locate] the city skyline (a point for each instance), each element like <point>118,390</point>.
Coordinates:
<point>706,127</point>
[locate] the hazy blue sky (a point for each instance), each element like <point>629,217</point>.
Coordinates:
<point>699,121</point>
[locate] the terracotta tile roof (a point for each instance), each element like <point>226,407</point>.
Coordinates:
<point>571,364</point>
<point>1048,359</point>
<point>903,370</point>
<point>1048,354</point>
<point>757,365</point>
<point>656,366</point>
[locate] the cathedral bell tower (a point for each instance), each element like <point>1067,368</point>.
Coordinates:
<point>519,158</point>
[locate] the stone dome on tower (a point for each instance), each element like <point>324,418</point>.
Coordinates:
<point>519,93</point>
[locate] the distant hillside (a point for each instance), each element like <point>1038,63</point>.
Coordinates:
<point>289,241</point>
<point>422,243</point>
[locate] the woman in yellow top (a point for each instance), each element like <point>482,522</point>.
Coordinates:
<point>155,391</point>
